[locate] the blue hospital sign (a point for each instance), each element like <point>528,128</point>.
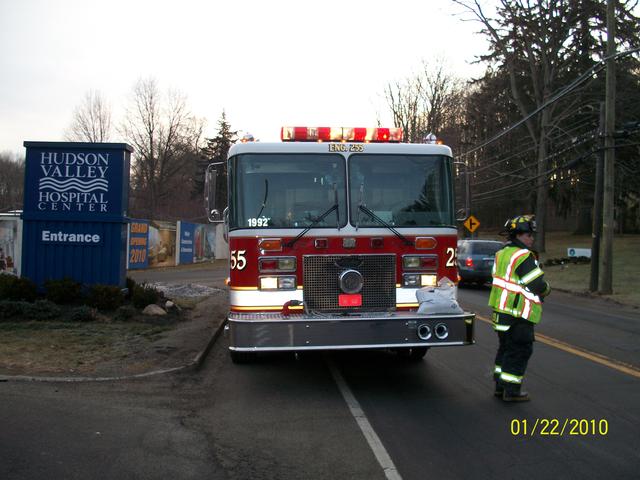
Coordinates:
<point>75,184</point>
<point>75,211</point>
<point>73,181</point>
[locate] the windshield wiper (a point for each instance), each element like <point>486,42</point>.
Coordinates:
<point>360,203</point>
<point>336,204</point>
<point>336,207</point>
<point>385,224</point>
<point>266,194</point>
<point>313,224</point>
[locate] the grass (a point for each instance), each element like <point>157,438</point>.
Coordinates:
<point>626,265</point>
<point>58,347</point>
<point>575,278</point>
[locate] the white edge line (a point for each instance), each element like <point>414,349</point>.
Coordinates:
<point>369,433</point>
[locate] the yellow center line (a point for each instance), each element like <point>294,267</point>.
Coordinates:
<point>581,352</point>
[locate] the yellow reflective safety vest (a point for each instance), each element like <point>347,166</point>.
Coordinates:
<point>509,292</point>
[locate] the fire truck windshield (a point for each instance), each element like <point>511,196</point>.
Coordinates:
<point>287,190</point>
<point>401,190</point>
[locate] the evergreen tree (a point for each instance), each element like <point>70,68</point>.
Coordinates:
<point>536,50</point>
<point>215,152</point>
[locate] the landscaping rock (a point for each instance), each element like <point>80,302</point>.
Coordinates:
<point>172,307</point>
<point>153,309</point>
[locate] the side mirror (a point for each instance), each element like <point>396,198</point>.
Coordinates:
<point>210,182</point>
<point>225,235</point>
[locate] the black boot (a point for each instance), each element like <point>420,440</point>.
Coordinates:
<point>515,395</point>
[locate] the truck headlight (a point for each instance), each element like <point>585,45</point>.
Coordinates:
<point>417,280</point>
<point>278,283</point>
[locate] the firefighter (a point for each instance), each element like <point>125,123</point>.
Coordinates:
<point>516,298</point>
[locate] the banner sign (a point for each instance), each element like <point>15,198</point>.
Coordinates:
<point>204,243</point>
<point>162,244</point>
<point>187,231</point>
<point>10,230</point>
<point>138,244</point>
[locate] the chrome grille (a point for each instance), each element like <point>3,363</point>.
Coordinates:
<point>321,287</point>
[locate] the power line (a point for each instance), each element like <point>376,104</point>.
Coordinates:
<point>548,172</point>
<point>585,139</point>
<point>532,147</point>
<point>547,182</point>
<point>564,91</point>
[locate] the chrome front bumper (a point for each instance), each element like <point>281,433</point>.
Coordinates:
<point>251,332</point>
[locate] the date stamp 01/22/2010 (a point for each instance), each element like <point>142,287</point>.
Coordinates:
<point>558,427</point>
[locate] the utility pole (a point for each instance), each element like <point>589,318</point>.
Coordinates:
<point>606,284</point>
<point>597,206</point>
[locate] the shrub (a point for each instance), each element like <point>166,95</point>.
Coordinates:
<point>105,297</point>
<point>81,314</point>
<point>124,313</point>
<point>11,310</point>
<point>42,310</point>
<point>144,295</point>
<point>131,285</point>
<point>63,291</point>
<point>17,288</point>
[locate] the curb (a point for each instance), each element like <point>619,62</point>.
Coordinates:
<point>194,365</point>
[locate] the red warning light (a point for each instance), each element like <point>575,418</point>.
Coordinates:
<point>340,134</point>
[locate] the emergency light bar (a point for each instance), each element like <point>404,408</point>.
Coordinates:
<point>340,134</point>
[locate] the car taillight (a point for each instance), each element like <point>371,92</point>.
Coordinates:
<point>469,262</point>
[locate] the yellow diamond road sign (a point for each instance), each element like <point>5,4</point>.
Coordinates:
<point>471,223</point>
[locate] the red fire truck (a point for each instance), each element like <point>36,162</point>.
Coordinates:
<point>331,235</point>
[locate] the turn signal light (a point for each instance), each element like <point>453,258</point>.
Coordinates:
<point>426,243</point>
<point>270,244</point>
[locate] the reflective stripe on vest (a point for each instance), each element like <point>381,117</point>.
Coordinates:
<point>514,287</point>
<point>532,275</point>
<point>514,259</point>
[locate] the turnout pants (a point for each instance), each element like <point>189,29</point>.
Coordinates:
<point>514,350</point>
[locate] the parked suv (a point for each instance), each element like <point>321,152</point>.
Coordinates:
<point>475,260</point>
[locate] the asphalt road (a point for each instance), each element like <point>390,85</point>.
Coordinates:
<point>208,274</point>
<point>286,417</point>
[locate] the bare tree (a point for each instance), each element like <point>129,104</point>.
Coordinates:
<point>403,99</point>
<point>166,138</point>
<point>91,120</point>
<point>426,102</point>
<point>531,41</point>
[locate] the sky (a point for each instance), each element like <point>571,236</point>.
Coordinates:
<point>267,63</point>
